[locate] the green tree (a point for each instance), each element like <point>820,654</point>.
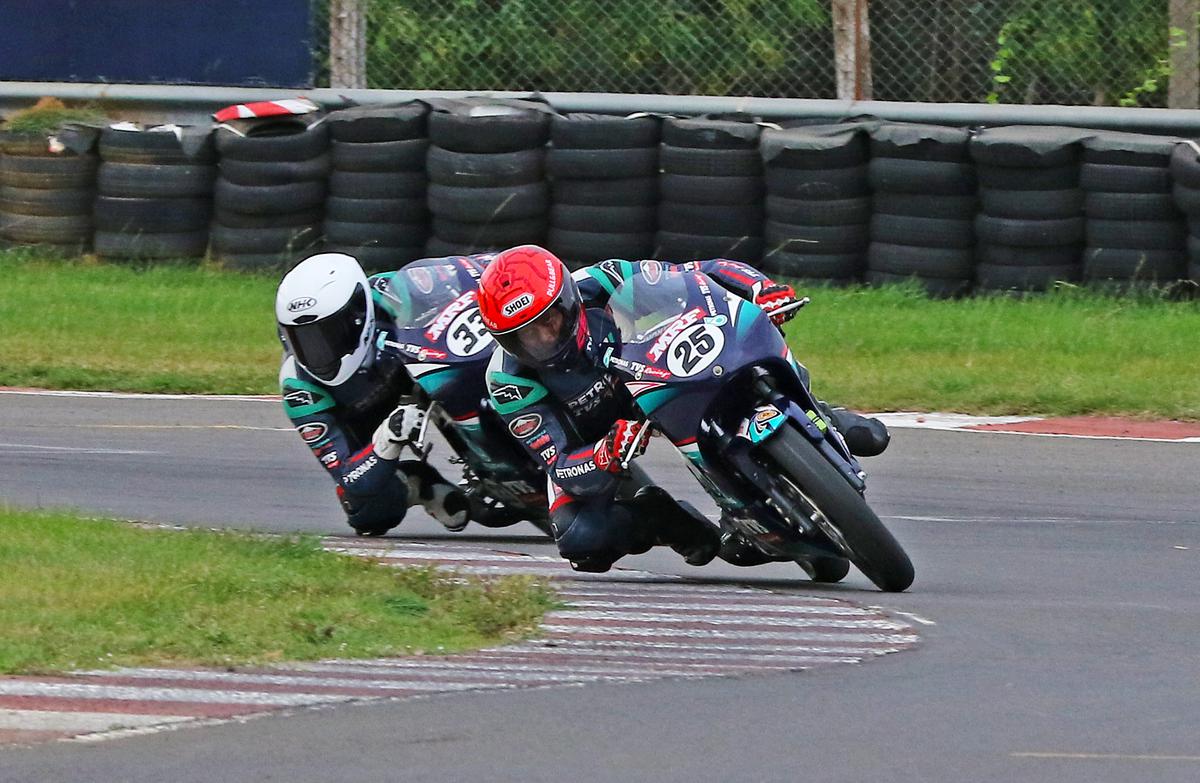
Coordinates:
<point>1083,51</point>
<point>711,47</point>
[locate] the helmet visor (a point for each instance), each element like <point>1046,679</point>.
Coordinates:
<point>551,336</point>
<point>320,345</point>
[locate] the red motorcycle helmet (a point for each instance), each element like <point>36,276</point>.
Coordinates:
<point>531,305</point>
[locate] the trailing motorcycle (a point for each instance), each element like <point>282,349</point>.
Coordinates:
<point>432,302</point>
<point>714,374</point>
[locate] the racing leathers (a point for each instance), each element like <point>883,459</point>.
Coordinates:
<point>567,416</point>
<point>346,427</point>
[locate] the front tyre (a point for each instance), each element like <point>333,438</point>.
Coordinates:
<point>838,510</point>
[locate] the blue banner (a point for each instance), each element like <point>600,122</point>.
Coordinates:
<point>267,43</point>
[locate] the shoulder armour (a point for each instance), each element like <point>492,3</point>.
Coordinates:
<point>300,397</point>
<point>508,388</point>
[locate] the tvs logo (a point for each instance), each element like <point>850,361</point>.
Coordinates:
<point>311,433</point>
<point>514,306</point>
<point>525,425</point>
<point>303,303</point>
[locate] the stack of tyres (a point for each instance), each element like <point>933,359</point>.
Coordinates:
<point>818,204</point>
<point>270,193</point>
<point>924,208</point>
<point>1185,173</point>
<point>711,191</point>
<point>46,191</point>
<point>487,174</point>
<point>1135,233</point>
<point>376,208</point>
<point>604,186</point>
<point>1031,230</point>
<point>154,191</point>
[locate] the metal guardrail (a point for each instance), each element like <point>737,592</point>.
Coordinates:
<point>188,104</point>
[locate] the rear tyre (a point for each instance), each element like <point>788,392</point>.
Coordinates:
<point>870,546</point>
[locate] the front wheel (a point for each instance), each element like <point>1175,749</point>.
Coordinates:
<point>817,490</point>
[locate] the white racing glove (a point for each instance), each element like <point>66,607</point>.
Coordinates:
<point>402,429</point>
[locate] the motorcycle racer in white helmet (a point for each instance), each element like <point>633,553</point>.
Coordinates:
<point>352,402</point>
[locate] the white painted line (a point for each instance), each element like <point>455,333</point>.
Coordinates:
<point>720,609</point>
<point>71,449</point>
<point>690,655</point>
<point>946,421</point>
<point>184,427</point>
<point>690,593</point>
<point>1087,437</point>
<point>461,556</point>
<point>44,720</point>
<point>1105,756</point>
<point>130,693</point>
<point>503,670</point>
<point>914,617</point>
<point>675,633</point>
<point>747,619</point>
<point>139,396</point>
<point>1034,520</point>
<point>300,682</point>
<point>467,570</point>
<point>690,649</point>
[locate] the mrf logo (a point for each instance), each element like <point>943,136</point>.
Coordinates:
<point>673,331</point>
<point>311,433</point>
<point>447,316</point>
<point>514,306</point>
<point>652,271</point>
<point>421,278</point>
<point>525,426</point>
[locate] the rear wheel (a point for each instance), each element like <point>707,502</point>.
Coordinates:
<point>814,488</point>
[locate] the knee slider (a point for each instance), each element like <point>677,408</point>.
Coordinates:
<point>379,511</point>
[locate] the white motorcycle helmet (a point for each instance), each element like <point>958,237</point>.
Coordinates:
<point>324,308</point>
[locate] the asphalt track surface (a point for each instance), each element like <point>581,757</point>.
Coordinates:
<point>1055,599</point>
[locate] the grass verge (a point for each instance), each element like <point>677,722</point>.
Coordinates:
<point>84,325</point>
<point>85,593</point>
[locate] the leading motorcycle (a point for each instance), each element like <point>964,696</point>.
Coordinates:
<point>715,376</point>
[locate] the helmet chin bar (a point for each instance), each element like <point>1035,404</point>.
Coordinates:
<point>351,363</point>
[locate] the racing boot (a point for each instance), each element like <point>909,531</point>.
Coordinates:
<point>865,437</point>
<point>679,524</point>
<point>441,500</point>
<point>593,564</point>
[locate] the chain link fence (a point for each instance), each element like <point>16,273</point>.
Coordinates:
<point>1075,52</point>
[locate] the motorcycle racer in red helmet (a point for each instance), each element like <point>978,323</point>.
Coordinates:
<point>577,418</point>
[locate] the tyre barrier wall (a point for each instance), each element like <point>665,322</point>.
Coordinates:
<point>956,209</point>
